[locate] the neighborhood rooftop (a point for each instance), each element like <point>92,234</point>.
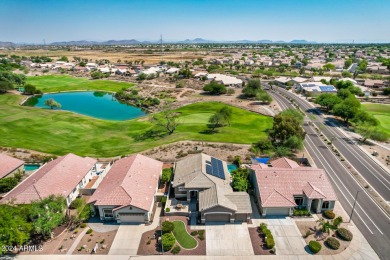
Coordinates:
<point>8,164</point>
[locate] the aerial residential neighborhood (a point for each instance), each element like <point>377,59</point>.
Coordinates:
<point>194,129</point>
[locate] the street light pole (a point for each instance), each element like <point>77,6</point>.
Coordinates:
<point>353,207</point>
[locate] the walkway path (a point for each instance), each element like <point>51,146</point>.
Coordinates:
<point>76,241</point>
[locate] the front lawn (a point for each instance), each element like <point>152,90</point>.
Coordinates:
<point>183,238</point>
<point>382,113</point>
<point>62,132</point>
<point>56,83</point>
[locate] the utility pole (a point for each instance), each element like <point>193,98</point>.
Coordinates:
<point>353,207</point>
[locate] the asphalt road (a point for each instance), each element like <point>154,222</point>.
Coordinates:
<point>375,175</point>
<point>368,217</point>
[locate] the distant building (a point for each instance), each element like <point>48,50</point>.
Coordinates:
<point>315,88</point>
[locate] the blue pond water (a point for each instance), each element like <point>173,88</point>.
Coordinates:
<point>100,105</point>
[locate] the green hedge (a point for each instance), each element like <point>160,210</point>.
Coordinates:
<point>344,234</point>
<point>314,246</point>
<point>176,250</point>
<point>269,241</point>
<point>333,243</point>
<point>301,212</point>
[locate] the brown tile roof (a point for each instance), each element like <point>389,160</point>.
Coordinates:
<point>131,181</point>
<point>58,177</point>
<point>277,185</point>
<point>8,164</point>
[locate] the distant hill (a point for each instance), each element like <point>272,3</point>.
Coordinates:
<point>7,44</point>
<point>134,42</point>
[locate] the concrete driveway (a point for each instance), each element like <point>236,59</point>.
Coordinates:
<point>228,240</point>
<point>127,240</point>
<point>288,239</point>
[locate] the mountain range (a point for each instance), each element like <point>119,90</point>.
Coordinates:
<point>133,41</point>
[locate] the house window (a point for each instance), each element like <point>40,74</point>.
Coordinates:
<point>298,200</point>
<point>181,188</point>
<point>108,213</point>
<point>325,205</point>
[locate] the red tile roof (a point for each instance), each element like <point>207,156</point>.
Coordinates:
<point>277,185</point>
<point>131,181</point>
<point>58,177</point>
<point>8,164</point>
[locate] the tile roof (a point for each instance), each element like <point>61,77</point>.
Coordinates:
<point>8,164</point>
<point>191,172</point>
<point>284,163</point>
<point>131,181</point>
<point>58,177</point>
<point>278,185</point>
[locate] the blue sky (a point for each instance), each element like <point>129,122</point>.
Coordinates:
<point>321,21</point>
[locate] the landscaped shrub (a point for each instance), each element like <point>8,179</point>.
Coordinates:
<point>176,250</point>
<point>83,225</point>
<point>201,234</point>
<point>168,210</point>
<point>314,246</point>
<point>301,212</point>
<point>194,233</point>
<point>333,243</point>
<point>167,227</point>
<point>344,234</point>
<point>89,231</point>
<point>269,242</point>
<point>329,214</point>
<point>168,240</point>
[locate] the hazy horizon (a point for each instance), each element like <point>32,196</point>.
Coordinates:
<point>24,21</point>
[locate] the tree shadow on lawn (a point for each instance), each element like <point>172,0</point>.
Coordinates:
<point>152,134</point>
<point>209,131</point>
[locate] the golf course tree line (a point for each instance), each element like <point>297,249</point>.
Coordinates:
<point>346,106</point>
<point>285,137</point>
<point>8,79</point>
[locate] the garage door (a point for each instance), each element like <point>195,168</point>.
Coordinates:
<point>132,217</point>
<point>217,217</point>
<point>278,211</point>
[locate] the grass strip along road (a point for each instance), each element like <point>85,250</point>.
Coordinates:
<point>368,216</point>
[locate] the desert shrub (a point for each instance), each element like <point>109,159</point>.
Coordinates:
<point>83,225</point>
<point>194,233</point>
<point>344,234</point>
<point>89,231</point>
<point>76,231</point>
<point>314,246</point>
<point>176,250</point>
<point>168,240</point>
<point>329,214</point>
<point>163,200</point>
<point>201,237</point>
<point>168,210</point>
<point>167,227</point>
<point>333,243</point>
<point>201,232</point>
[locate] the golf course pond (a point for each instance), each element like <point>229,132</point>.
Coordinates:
<point>95,104</point>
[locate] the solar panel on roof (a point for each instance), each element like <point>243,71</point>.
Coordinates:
<point>216,168</point>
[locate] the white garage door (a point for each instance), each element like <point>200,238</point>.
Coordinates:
<point>132,217</point>
<point>278,211</point>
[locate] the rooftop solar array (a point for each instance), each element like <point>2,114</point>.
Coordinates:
<point>215,168</point>
<point>327,88</point>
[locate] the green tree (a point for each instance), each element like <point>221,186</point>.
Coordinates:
<point>264,145</point>
<point>64,58</point>
<point>97,75</point>
<point>169,120</point>
<point>347,63</point>
<point>226,113</point>
<point>215,88</point>
<point>294,143</point>
<point>364,117</point>
<point>167,226</point>
<point>264,97</point>
<point>252,88</point>
<point>344,93</point>
<point>329,66</point>
<point>347,109</point>
<point>185,73</point>
<point>386,91</point>
<point>327,100</point>
<point>166,175</point>
<point>52,103</point>
<point>240,179</point>
<point>285,125</point>
<point>216,120</point>
<point>5,86</point>
<point>29,89</point>
<point>48,213</point>
<point>14,226</point>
